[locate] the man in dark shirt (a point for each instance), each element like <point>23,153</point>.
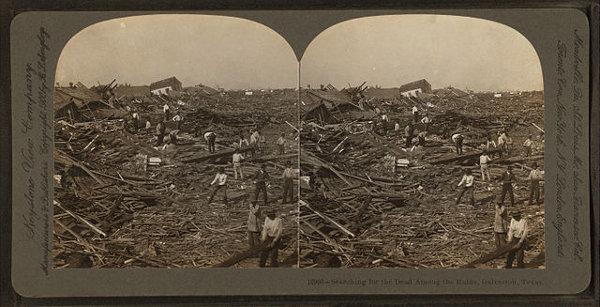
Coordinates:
<point>160,133</point>
<point>409,134</point>
<point>260,179</point>
<point>507,179</point>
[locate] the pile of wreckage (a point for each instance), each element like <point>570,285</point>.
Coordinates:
<point>122,202</point>
<point>367,201</point>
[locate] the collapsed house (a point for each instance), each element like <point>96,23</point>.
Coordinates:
<point>163,87</point>
<point>414,88</point>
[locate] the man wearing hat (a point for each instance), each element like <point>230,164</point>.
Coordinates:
<point>534,187</point>
<point>221,184</point>
<point>507,180</point>
<point>468,180</point>
<point>288,182</point>
<point>517,231</point>
<point>260,179</point>
<point>271,233</point>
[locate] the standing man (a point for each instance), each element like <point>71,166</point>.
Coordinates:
<point>260,179</point>
<point>409,134</point>
<point>502,143</point>
<point>254,138</point>
<point>500,225</point>
<point>517,231</point>
<point>253,224</point>
<point>421,137</point>
<point>426,120</point>
<point>136,121</point>
<point>397,128</point>
<point>271,234</point>
<point>528,144</point>
<point>262,141</point>
<point>221,184</point>
<point>509,144</point>
<point>490,144</point>
<point>160,132</point>
<point>534,183</point>
<point>415,112</point>
<point>178,119</point>
<point>467,179</point>
<point>237,164</point>
<point>507,180</point>
<point>281,142</point>
<point>166,111</point>
<point>484,159</point>
<point>210,138</point>
<point>385,123</point>
<point>288,182</point>
<point>243,143</point>
<point>457,139</point>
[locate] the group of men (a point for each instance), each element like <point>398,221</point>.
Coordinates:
<point>516,232</point>
<point>409,129</point>
<point>271,229</point>
<point>261,181</point>
<point>506,179</point>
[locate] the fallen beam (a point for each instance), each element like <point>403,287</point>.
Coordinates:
<point>237,257</point>
<point>491,255</point>
<point>217,155</point>
<point>455,157</point>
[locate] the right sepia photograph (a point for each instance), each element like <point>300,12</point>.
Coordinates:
<point>422,146</point>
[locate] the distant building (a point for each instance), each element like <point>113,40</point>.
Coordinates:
<point>414,88</point>
<point>166,85</point>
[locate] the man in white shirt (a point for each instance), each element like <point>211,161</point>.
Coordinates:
<point>528,144</point>
<point>271,234</point>
<point>281,142</point>
<point>467,180</point>
<point>210,138</point>
<point>237,164</point>
<point>534,187</point>
<point>457,139</point>
<point>502,143</point>
<point>426,120</point>
<point>254,140</point>
<point>415,112</point>
<point>484,159</point>
<point>219,183</point>
<point>517,231</point>
<point>136,121</point>
<point>167,112</point>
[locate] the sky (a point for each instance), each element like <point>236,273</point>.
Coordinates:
<point>216,51</point>
<point>463,52</point>
<point>233,53</point>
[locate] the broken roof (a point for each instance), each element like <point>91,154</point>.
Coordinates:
<point>82,94</point>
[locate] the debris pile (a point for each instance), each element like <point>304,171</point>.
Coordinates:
<point>122,201</point>
<point>367,200</point>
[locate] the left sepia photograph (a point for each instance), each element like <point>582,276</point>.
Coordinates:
<point>176,145</point>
